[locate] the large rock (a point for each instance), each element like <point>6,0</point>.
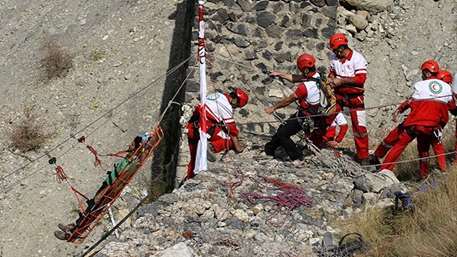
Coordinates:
<point>376,182</point>
<point>359,21</point>
<point>178,250</point>
<point>371,5</point>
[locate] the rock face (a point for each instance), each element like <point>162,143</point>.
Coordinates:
<point>371,5</point>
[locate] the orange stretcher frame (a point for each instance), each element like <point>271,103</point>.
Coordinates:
<point>105,199</point>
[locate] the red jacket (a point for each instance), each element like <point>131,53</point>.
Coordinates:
<point>428,113</point>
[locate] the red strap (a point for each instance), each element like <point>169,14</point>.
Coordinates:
<point>60,174</point>
<point>97,162</point>
<point>81,204</point>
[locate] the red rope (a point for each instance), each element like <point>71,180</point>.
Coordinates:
<point>60,174</point>
<point>290,196</point>
<point>97,161</point>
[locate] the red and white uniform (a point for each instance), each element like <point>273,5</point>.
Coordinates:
<point>352,96</point>
<point>341,123</point>
<point>220,127</point>
<point>308,94</point>
<point>309,99</point>
<point>429,113</point>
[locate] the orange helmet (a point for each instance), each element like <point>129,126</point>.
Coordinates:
<point>337,40</point>
<point>242,96</point>
<point>305,61</point>
<point>445,76</point>
<point>430,65</point>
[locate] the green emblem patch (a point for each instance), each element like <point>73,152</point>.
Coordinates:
<point>435,87</point>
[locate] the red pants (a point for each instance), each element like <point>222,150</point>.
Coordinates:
<point>425,138</point>
<point>388,142</point>
<point>359,125</point>
<point>216,142</point>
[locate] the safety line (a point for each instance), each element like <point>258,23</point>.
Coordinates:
<point>343,111</point>
<point>107,113</point>
<point>412,160</point>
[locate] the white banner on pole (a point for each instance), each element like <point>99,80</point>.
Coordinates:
<point>201,162</point>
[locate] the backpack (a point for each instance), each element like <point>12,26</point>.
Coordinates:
<point>326,95</point>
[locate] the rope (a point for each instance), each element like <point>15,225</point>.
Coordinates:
<point>344,112</point>
<point>413,160</point>
<point>107,113</point>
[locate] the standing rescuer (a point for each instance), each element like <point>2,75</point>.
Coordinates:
<point>221,127</point>
<point>348,73</point>
<point>394,135</point>
<point>429,106</point>
<point>308,96</point>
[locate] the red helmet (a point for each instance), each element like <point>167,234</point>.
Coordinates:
<point>430,65</point>
<point>445,76</point>
<point>305,61</point>
<point>337,40</point>
<point>242,97</point>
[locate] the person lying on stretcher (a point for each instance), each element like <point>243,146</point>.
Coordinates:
<point>120,166</point>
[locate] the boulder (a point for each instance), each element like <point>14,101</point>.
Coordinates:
<point>373,6</point>
<point>178,250</point>
<point>376,182</point>
<point>359,21</point>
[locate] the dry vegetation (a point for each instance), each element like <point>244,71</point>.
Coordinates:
<point>29,134</point>
<point>431,231</point>
<point>57,62</point>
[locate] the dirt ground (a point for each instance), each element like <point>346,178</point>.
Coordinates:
<point>117,47</point>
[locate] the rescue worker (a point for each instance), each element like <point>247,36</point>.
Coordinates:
<point>308,96</point>
<point>393,136</point>
<point>221,127</point>
<point>331,137</point>
<point>347,76</point>
<point>429,114</point>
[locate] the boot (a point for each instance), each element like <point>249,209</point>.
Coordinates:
<point>66,228</point>
<point>61,235</point>
<point>374,160</point>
